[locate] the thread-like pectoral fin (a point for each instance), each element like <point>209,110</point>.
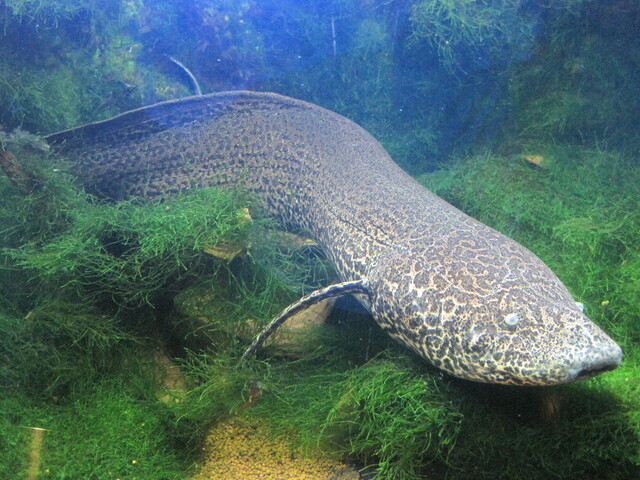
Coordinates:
<point>332,291</point>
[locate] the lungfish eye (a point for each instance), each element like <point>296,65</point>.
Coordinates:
<point>512,319</point>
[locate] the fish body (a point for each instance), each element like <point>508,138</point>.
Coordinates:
<point>468,299</point>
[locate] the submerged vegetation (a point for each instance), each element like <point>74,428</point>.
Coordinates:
<point>467,34</point>
<point>89,292</point>
<point>101,430</point>
<point>522,114</point>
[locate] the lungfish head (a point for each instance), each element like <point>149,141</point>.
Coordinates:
<point>488,310</point>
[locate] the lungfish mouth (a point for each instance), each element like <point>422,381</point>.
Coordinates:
<point>597,364</point>
<point>594,370</point>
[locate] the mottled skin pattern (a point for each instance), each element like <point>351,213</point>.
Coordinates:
<point>465,297</point>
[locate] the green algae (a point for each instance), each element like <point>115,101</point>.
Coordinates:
<point>579,85</point>
<point>131,251</point>
<point>86,283</point>
<point>125,250</point>
<point>460,30</point>
<point>68,63</point>
<point>102,430</point>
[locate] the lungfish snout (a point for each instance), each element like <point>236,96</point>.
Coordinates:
<point>607,357</point>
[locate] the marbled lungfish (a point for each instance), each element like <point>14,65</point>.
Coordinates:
<point>470,300</point>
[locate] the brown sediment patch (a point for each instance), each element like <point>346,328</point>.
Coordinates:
<point>243,448</point>
<point>534,159</point>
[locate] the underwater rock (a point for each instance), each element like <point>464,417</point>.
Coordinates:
<point>290,338</point>
<point>171,383</point>
<point>534,159</point>
<point>204,306</point>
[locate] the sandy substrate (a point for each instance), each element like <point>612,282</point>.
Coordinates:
<point>241,449</point>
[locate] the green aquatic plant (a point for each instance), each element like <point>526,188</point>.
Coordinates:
<point>371,36</point>
<point>68,63</point>
<point>462,29</point>
<point>130,251</point>
<point>50,11</point>
<point>104,429</point>
<point>87,258</point>
<point>42,87</point>
<point>399,419</point>
<point>578,86</point>
<point>70,261</point>
<point>43,102</point>
<point>219,388</point>
<point>138,251</point>
<point>45,352</point>
<point>575,430</point>
<point>50,338</point>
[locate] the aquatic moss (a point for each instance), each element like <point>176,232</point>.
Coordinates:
<point>398,418</point>
<point>142,251</point>
<point>71,262</point>
<point>68,63</point>
<point>506,435</point>
<point>461,30</point>
<point>579,86</point>
<point>47,10</point>
<point>219,386</point>
<point>45,352</point>
<point>104,429</point>
<point>41,86</point>
<point>129,250</point>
